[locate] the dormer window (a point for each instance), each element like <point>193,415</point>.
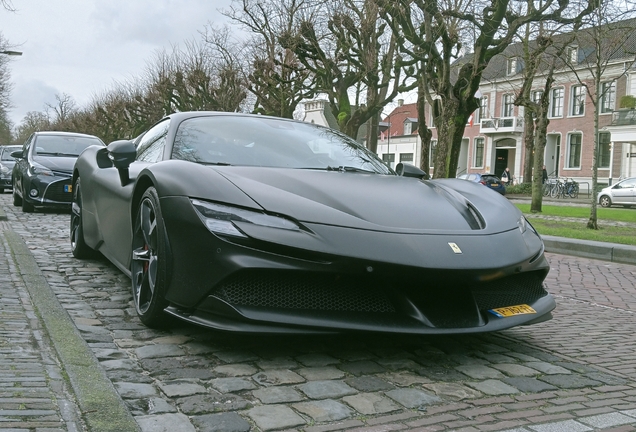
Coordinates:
<point>512,66</point>
<point>573,54</point>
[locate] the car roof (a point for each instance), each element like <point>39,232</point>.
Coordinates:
<point>59,133</point>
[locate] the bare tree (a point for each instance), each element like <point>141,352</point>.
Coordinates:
<point>603,53</point>
<point>436,31</point>
<point>352,57</point>
<point>33,121</point>
<point>275,77</point>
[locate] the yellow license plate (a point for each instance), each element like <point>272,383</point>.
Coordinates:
<point>494,184</point>
<point>68,188</point>
<point>509,311</point>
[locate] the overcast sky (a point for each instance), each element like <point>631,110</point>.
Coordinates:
<point>83,47</point>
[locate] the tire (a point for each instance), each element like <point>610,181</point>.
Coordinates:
<point>1,190</point>
<point>605,201</point>
<point>17,200</point>
<point>26,206</point>
<point>150,258</point>
<point>555,191</point>
<point>575,191</point>
<point>79,248</point>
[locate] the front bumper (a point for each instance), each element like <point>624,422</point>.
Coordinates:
<point>350,280</point>
<point>52,192</point>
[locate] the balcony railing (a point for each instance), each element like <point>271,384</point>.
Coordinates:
<point>501,125</point>
<point>624,117</point>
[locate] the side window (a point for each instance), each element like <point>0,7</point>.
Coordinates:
<point>151,145</point>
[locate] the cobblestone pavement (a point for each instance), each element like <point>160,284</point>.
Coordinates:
<point>576,372</point>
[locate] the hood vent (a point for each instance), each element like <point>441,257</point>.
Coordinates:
<point>476,222</point>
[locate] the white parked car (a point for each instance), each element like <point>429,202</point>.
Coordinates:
<point>622,193</point>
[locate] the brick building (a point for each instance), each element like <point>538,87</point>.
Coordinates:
<point>493,140</point>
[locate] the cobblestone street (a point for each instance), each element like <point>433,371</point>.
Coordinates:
<point>576,372</point>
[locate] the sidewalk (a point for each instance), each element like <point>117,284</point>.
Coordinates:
<point>49,377</point>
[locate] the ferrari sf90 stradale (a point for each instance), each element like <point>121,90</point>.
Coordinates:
<point>250,223</point>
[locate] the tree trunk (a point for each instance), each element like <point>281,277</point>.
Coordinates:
<point>529,144</point>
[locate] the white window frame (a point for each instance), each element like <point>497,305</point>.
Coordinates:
<point>483,152</point>
<point>511,66</point>
<point>568,156</point>
<point>507,105</point>
<point>573,54</point>
<point>577,100</point>
<point>561,100</point>
<point>608,97</point>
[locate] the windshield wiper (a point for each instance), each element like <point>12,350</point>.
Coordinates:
<point>344,168</point>
<point>56,154</point>
<point>216,163</point>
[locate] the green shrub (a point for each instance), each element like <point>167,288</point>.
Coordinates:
<point>520,189</point>
<point>628,101</point>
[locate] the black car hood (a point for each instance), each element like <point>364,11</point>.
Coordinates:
<point>375,202</point>
<point>57,163</point>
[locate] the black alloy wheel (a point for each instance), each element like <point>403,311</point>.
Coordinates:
<point>17,199</point>
<point>79,248</point>
<point>149,261</point>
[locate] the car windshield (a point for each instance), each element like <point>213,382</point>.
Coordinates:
<point>6,152</point>
<point>59,145</point>
<point>267,142</point>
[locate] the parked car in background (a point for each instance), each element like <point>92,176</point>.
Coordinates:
<point>43,168</point>
<point>6,166</point>
<point>251,223</point>
<point>489,180</point>
<point>621,193</point>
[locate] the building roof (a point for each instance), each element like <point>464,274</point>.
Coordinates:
<point>394,122</point>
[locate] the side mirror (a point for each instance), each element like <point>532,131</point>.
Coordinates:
<point>17,154</point>
<point>122,153</point>
<point>408,170</point>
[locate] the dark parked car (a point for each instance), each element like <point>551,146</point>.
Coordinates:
<point>6,166</point>
<point>42,173</point>
<point>250,223</point>
<point>622,193</point>
<point>489,180</point>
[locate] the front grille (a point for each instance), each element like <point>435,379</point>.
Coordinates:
<point>522,288</point>
<point>55,191</point>
<point>304,291</point>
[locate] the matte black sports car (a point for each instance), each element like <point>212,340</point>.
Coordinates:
<point>257,224</point>
<point>41,176</point>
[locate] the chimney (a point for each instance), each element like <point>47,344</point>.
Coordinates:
<point>400,102</point>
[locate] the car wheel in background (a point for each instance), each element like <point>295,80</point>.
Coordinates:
<point>17,200</point>
<point>79,248</point>
<point>149,261</point>
<point>605,201</point>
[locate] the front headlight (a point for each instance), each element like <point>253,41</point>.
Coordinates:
<point>4,169</point>
<point>220,218</point>
<point>37,169</point>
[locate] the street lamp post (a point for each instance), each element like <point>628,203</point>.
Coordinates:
<point>11,53</point>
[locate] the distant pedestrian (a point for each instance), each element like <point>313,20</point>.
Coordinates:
<point>545,175</point>
<point>506,177</point>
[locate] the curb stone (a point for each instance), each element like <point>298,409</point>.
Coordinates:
<point>102,408</point>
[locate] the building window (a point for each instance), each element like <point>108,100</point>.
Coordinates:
<point>512,66</point>
<point>573,55</point>
<point>508,108</point>
<point>433,153</point>
<point>406,157</point>
<point>608,96</point>
<point>482,112</point>
<point>478,158</point>
<point>407,128</point>
<point>556,103</point>
<point>389,159</point>
<point>578,100</point>
<point>574,151</point>
<point>604,149</point>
